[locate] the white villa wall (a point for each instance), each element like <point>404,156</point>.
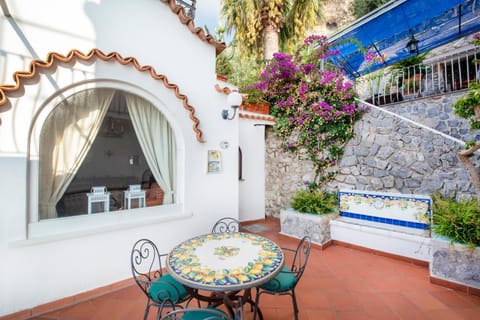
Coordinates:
<point>53,259</point>
<point>252,185</point>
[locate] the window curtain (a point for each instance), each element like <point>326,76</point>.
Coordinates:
<point>65,139</point>
<point>157,142</point>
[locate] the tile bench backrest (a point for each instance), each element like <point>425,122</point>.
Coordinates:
<point>412,211</point>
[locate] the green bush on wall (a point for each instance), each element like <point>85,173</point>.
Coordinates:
<point>316,202</point>
<point>458,220</point>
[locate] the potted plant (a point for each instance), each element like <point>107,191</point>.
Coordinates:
<point>456,241</point>
<point>310,215</point>
<point>254,101</point>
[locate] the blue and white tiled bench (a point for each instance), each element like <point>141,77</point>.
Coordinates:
<point>398,224</point>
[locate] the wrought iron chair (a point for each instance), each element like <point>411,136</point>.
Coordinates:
<point>286,281</point>
<point>226,224</point>
<point>208,313</point>
<point>162,290</point>
<point>196,314</point>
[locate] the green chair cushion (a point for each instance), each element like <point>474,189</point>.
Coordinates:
<point>167,287</point>
<point>202,314</point>
<point>284,281</point>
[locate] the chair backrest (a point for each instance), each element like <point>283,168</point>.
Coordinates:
<point>227,225</point>
<point>101,189</point>
<point>196,313</point>
<point>300,258</point>
<point>146,264</point>
<point>135,187</point>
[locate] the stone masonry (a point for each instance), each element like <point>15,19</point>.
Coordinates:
<point>387,154</point>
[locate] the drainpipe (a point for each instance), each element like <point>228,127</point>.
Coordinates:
<point>31,50</point>
<point>3,5</point>
<point>23,38</point>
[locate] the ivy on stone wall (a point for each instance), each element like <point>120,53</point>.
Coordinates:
<point>314,105</point>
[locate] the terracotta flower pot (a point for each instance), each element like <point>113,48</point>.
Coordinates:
<point>257,107</point>
<point>476,109</point>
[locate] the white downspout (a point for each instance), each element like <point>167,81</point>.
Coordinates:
<point>3,5</point>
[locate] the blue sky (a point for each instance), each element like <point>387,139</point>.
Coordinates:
<point>208,13</point>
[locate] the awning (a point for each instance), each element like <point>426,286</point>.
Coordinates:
<point>388,29</point>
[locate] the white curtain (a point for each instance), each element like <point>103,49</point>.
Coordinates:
<point>66,138</point>
<point>157,142</point>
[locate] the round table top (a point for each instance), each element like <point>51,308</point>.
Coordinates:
<point>225,261</point>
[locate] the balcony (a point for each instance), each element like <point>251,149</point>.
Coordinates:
<point>437,75</point>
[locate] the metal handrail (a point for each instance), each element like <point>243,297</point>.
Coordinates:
<point>189,5</point>
<point>444,74</point>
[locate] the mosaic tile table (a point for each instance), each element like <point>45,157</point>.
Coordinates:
<point>224,264</point>
<point>225,261</point>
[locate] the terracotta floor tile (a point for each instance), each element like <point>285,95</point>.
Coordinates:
<point>374,306</point>
<point>453,299</point>
<point>342,300</point>
<point>358,314</point>
<point>445,314</point>
<point>359,285</point>
<point>425,301</point>
<point>468,313</point>
<point>399,304</point>
<point>339,283</point>
<point>318,314</point>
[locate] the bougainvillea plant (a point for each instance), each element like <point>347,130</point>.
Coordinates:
<point>468,107</point>
<point>314,105</point>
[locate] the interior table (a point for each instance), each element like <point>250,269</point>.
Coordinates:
<point>225,264</point>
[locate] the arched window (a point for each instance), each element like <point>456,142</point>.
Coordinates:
<point>105,140</point>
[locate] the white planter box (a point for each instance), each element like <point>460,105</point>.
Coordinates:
<point>455,262</point>
<point>298,225</point>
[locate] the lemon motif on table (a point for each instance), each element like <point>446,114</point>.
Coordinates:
<point>184,259</point>
<point>226,251</point>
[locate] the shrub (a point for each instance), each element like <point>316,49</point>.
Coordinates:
<point>316,202</point>
<point>458,220</point>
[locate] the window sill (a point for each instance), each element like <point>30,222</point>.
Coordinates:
<point>80,226</point>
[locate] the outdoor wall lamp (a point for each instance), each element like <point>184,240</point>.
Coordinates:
<point>412,45</point>
<point>234,100</point>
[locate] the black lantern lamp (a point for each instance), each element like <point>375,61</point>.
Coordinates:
<point>412,45</point>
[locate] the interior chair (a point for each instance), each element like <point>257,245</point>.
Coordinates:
<point>161,289</point>
<point>227,225</point>
<point>286,281</point>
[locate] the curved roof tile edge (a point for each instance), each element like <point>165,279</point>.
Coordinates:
<point>225,90</point>
<point>53,57</point>
<point>188,21</point>
<point>256,117</point>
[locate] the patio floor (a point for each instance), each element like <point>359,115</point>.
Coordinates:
<point>339,283</point>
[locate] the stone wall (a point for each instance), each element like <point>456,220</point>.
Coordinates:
<point>387,154</point>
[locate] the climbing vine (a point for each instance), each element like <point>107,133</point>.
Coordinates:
<point>314,105</point>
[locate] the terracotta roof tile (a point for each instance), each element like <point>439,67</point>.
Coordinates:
<point>36,66</point>
<point>225,90</point>
<point>188,21</point>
